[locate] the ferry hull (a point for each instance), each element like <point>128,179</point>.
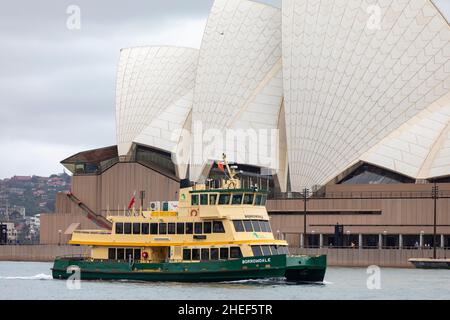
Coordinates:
<point>208,271</point>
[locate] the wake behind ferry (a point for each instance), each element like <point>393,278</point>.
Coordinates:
<point>211,234</point>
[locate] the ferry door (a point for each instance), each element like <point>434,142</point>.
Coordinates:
<point>160,254</point>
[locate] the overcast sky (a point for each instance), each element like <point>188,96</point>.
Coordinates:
<point>57,85</point>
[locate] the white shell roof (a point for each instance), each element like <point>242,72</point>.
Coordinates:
<point>353,73</point>
<point>153,95</point>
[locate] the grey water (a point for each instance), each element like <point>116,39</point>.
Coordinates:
<point>32,280</point>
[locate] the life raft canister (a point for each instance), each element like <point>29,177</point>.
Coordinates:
<point>145,255</point>
<point>194,213</point>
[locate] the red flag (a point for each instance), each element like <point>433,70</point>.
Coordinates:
<point>131,204</point>
<point>220,166</point>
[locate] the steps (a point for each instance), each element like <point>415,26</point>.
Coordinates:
<point>98,219</point>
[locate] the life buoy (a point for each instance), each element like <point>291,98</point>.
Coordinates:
<point>194,213</point>
<point>145,255</point>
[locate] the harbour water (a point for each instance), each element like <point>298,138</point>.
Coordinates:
<point>32,280</point>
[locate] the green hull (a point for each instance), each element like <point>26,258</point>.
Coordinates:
<point>301,268</point>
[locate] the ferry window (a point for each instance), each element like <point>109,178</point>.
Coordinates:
<point>120,254</point>
<point>205,254</point>
<point>127,228</point>
<point>235,252</point>
<point>224,253</point>
<point>207,227</point>
<point>224,198</point>
<point>128,254</point>
<point>214,254</point>
<point>212,199</point>
<point>263,200</point>
<point>198,226</point>
<point>189,227</point>
<point>136,228</point>
<point>248,198</point>
<point>186,254</point>
<point>238,226</point>
<point>163,228</point>
<point>171,228</point>
<point>119,228</point>
<point>112,253</point>
<point>258,200</point>
<point>204,199</point>
<point>218,227</point>
<point>153,228</point>
<point>195,254</point>
<point>180,228</point>
<point>237,199</point>
<point>256,251</point>
<point>145,228</point>
<point>137,254</point>
<point>265,227</point>
<point>248,226</point>
<point>194,200</point>
<point>265,250</point>
<point>274,250</point>
<point>256,226</point>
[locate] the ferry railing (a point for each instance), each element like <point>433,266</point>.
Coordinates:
<point>92,231</point>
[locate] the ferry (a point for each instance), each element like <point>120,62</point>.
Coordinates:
<point>210,234</point>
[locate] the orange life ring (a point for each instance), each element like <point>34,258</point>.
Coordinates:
<point>194,213</point>
<point>145,255</point>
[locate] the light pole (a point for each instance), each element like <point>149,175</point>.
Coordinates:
<point>348,238</point>
<point>435,192</point>
<point>59,237</point>
<point>384,239</point>
<point>305,198</point>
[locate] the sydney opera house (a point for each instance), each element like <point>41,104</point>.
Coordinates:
<point>346,102</point>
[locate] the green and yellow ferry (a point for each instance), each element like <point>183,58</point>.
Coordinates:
<point>211,234</point>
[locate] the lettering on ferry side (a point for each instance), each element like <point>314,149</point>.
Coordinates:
<point>261,260</point>
<point>189,310</point>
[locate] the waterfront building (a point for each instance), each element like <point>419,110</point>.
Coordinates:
<point>356,92</point>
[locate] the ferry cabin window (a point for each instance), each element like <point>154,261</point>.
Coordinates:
<point>198,228</point>
<point>136,228</point>
<point>205,254</point>
<point>189,227</point>
<point>263,200</point>
<point>238,226</point>
<point>171,228</point>
<point>224,253</point>
<point>128,254</point>
<point>194,200</point>
<point>204,199</point>
<point>218,227</point>
<point>127,228</point>
<point>214,254</point>
<point>195,254</point>
<point>248,198</point>
<point>256,251</point>
<point>237,199</point>
<point>186,254</point>
<point>180,228</point>
<point>137,254</point>
<point>112,253</point>
<point>153,228</point>
<point>265,250</point>
<point>235,252</point>
<point>224,199</point>
<point>265,226</point>
<point>258,200</point>
<point>248,226</point>
<point>119,227</point>
<point>256,226</point>
<point>163,228</point>
<point>274,249</point>
<point>212,199</point>
<point>120,254</point>
<point>145,228</point>
<point>207,227</point>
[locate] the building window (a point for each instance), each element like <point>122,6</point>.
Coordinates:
<point>120,254</point>
<point>153,228</point>
<point>218,227</point>
<point>145,228</point>
<point>204,199</point>
<point>163,228</point>
<point>136,228</point>
<point>224,253</point>
<point>189,227</point>
<point>194,200</point>
<point>180,228</point>
<point>186,254</point>
<point>207,227</point>
<point>214,254</point>
<point>248,226</point>
<point>256,251</point>
<point>195,254</point>
<point>171,228</point>
<point>119,228</point>
<point>237,199</point>
<point>212,199</point>
<point>112,253</point>
<point>198,228</point>
<point>205,254</point>
<point>248,198</point>
<point>235,252</point>
<point>127,228</point>
<point>224,199</point>
<point>238,226</point>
